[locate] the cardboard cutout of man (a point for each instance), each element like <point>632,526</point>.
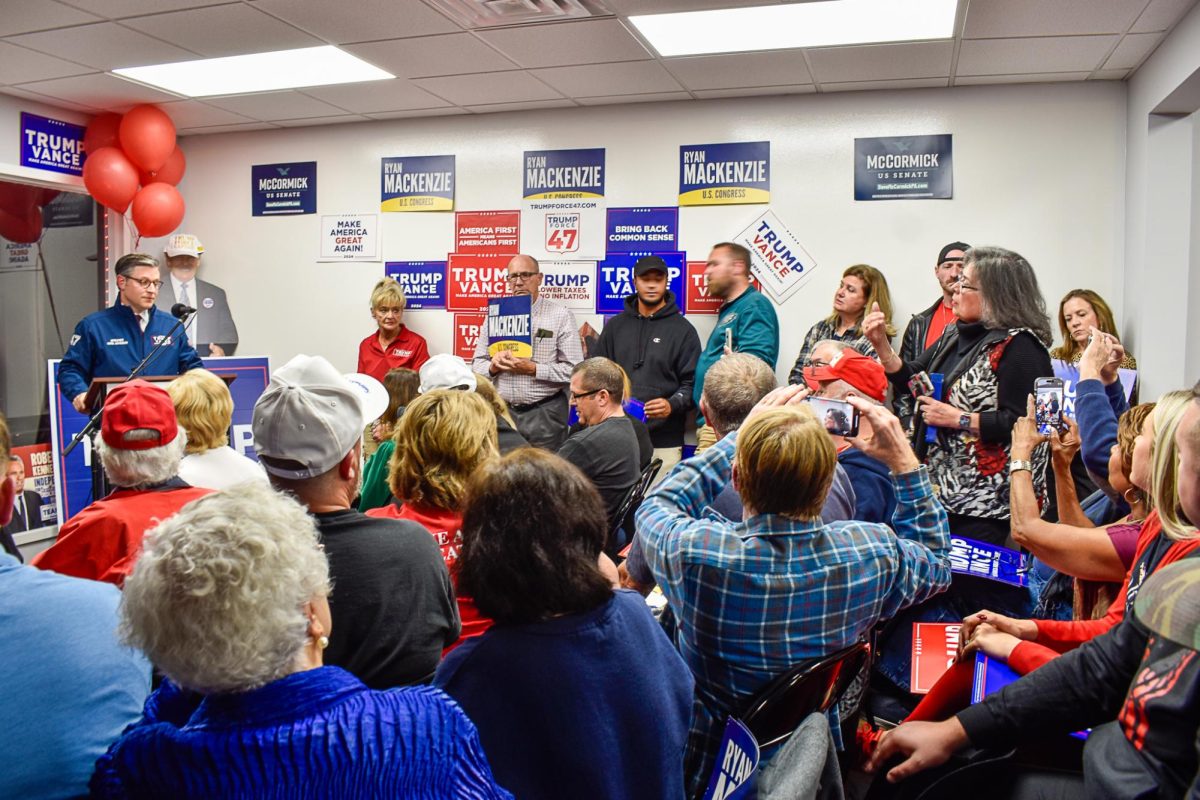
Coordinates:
<point>212,330</point>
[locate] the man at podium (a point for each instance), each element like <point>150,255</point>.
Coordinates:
<point>111,342</point>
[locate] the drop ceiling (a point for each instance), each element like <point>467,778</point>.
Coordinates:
<point>59,51</point>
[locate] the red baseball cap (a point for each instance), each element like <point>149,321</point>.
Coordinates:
<point>138,406</point>
<point>862,372</point>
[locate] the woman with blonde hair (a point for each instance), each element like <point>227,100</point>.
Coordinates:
<point>393,344</point>
<point>506,429</point>
<point>1079,311</point>
<point>860,288</point>
<point>204,407</point>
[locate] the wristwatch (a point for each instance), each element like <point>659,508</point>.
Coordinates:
<point>1017,466</point>
<point>964,421</point>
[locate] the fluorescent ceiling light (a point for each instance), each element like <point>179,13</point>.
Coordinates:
<point>257,72</point>
<point>779,27</point>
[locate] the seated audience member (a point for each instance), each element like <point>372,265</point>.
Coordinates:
<point>231,602</point>
<point>845,373</point>
<point>754,599</point>
<point>401,384</point>
<point>394,610</point>
<point>204,408</point>
<point>506,429</point>
<point>606,449</point>
<point>862,287</point>
<point>69,687</point>
<point>1135,686</point>
<point>443,438</point>
<point>394,344</point>
<point>140,447</point>
<point>576,690</point>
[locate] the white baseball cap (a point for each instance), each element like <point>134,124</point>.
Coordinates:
<point>446,371</point>
<point>183,244</point>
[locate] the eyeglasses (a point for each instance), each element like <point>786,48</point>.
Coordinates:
<point>145,283</point>
<point>519,277</point>
<point>579,395</point>
<point>962,285</point>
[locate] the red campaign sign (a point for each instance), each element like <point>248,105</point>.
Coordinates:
<point>699,301</point>
<point>472,279</point>
<point>466,334</point>
<point>487,232</point>
<point>934,646</point>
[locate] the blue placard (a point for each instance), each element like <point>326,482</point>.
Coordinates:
<point>51,144</point>
<point>73,475</point>
<point>614,279</point>
<point>641,230</point>
<point>904,168</point>
<point>983,560</point>
<point>416,183</point>
<point>737,759</point>
<point>283,189</point>
<point>1069,373</point>
<point>559,174</point>
<point>424,282</point>
<point>69,210</point>
<point>992,675</point>
<point>724,174</point>
<point>509,325</point>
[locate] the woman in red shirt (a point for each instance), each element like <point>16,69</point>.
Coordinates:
<point>393,345</point>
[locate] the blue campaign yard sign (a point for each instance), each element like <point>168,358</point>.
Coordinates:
<point>73,475</point>
<point>51,144</point>
<point>737,759</point>
<point>416,183</point>
<point>732,173</point>
<point>642,230</point>
<point>424,282</point>
<point>904,168</point>
<point>283,189</point>
<point>983,560</point>
<point>614,279</point>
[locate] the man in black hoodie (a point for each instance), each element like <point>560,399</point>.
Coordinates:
<point>658,349</point>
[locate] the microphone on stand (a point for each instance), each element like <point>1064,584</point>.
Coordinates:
<point>179,310</point>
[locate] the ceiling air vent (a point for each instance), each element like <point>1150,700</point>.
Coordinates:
<point>494,13</point>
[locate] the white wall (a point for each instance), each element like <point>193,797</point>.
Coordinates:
<point>1037,169</point>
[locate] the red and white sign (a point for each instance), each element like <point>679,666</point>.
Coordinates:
<point>472,279</point>
<point>487,232</point>
<point>781,263</point>
<point>699,301</point>
<point>38,464</point>
<point>934,646</point>
<point>562,233</point>
<point>466,334</point>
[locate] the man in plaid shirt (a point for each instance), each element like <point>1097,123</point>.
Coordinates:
<point>755,598</point>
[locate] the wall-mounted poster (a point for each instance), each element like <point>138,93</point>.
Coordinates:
<point>642,230</point>
<point>51,144</point>
<point>283,189</point>
<point>699,301</point>
<point>466,333</point>
<point>562,205</point>
<point>781,263</point>
<point>487,232</point>
<point>904,168</point>
<point>734,173</point>
<point>570,283</point>
<point>349,237</point>
<point>473,278</point>
<point>416,183</point>
<point>69,210</point>
<point>424,282</point>
<point>614,279</point>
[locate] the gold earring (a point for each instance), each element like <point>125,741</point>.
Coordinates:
<point>322,642</point>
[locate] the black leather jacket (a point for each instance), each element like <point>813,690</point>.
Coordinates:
<point>911,346</point>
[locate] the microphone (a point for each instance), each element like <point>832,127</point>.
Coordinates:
<point>179,310</point>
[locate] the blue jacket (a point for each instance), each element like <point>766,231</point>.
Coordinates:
<point>1097,409</point>
<point>110,343</point>
<point>751,317</point>
<point>874,492</point>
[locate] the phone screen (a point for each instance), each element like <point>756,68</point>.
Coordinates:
<point>1048,397</point>
<point>839,417</point>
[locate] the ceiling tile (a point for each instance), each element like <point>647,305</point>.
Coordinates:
<point>1161,15</point>
<point>1133,49</point>
<point>52,101</point>
<point>195,114</point>
<point>118,9</point>
<point>1048,54</point>
<point>100,91</point>
<point>881,61</point>
<point>987,19</point>
<point>563,43</point>
<point>490,87</point>
<point>756,91</point>
<point>18,65</point>
<point>448,111</point>
<point>230,30</point>
<point>595,80</point>
<point>271,106</point>
<point>740,69</point>
<point>364,21</point>
<point>428,56</point>
<point>304,122</point>
<point>248,126</point>
<point>374,96</point>
<point>1032,77</point>
<point>105,45</point>
<point>21,16</point>
<point>495,108</point>
<point>1109,75</point>
<point>629,7</point>
<point>654,97</point>
<point>859,86</point>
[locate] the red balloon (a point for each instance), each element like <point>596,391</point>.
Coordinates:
<point>45,196</point>
<point>147,136</point>
<point>157,209</point>
<point>22,230</point>
<point>102,132</point>
<point>110,178</point>
<point>170,172</point>
<point>18,199</point>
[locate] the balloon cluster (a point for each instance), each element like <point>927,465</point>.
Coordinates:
<point>137,149</point>
<point>21,211</point>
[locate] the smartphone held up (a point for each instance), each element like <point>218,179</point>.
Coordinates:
<point>1048,404</point>
<point>839,417</point>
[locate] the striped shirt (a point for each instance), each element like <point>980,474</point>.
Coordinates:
<point>755,598</point>
<point>556,351</point>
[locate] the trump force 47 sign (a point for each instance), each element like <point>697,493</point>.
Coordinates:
<point>562,207</point>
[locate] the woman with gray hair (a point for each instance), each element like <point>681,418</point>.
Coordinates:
<point>230,602</point>
<point>989,361</point>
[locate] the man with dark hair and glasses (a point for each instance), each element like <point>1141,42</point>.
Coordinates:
<point>535,388</point>
<point>111,342</point>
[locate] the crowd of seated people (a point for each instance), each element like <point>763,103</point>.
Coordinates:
<point>441,619</point>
